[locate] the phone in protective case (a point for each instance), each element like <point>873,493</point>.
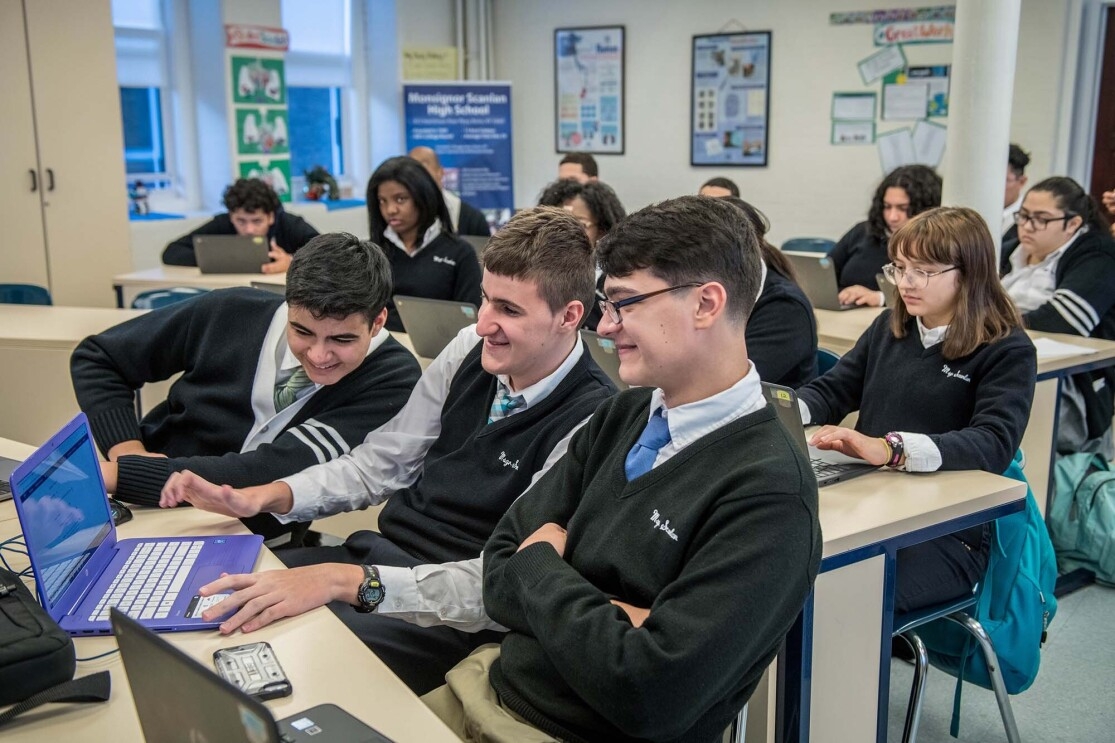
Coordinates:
<point>254,668</point>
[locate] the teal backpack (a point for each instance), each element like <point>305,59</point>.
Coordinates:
<point>1015,605</point>
<point>1082,516</point>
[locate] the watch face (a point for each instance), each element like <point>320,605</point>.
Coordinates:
<point>371,594</point>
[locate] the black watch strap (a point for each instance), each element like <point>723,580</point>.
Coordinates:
<point>371,592</point>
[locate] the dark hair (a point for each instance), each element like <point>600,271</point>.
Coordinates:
<point>719,182</point>
<point>585,160</point>
<point>411,175</point>
<point>1017,159</point>
<point>958,236</point>
<point>600,199</point>
<point>772,256</point>
<point>336,275</point>
<point>251,195</point>
<point>549,246</point>
<point>921,184</point>
<point>1074,200</point>
<point>689,239</point>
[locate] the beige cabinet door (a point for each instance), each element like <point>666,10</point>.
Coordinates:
<point>81,146</point>
<point>22,252</point>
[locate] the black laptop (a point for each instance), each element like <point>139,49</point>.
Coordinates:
<point>178,700</point>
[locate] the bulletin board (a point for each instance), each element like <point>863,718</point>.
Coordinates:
<point>589,89</point>
<point>730,99</point>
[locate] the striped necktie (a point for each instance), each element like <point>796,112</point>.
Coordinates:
<point>504,404</point>
<point>641,457</point>
<point>287,392</point>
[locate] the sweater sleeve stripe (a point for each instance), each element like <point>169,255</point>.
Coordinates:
<point>321,458</point>
<point>333,434</point>
<point>326,444</point>
<point>1075,310</point>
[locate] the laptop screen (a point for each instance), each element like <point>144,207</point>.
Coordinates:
<point>63,511</point>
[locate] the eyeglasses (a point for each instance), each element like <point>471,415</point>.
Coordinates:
<point>611,309</point>
<point>919,279</point>
<point>1038,223</point>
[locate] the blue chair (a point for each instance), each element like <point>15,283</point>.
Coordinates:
<point>809,245</point>
<point>953,611</point>
<point>156,298</point>
<point>24,294</point>
<point>826,359</point>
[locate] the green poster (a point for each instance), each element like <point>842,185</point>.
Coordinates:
<point>258,80</point>
<point>275,172</point>
<point>261,131</point>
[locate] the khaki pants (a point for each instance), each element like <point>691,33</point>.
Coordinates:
<point>469,706</point>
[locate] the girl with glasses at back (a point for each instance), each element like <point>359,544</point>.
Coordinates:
<point>944,381</point>
<point>1060,275</point>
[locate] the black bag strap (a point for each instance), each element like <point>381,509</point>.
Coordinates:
<point>94,688</point>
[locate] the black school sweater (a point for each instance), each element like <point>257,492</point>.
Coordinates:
<point>782,333</point>
<point>974,408</point>
<point>445,269</point>
<point>721,541</point>
<point>215,341</point>
<point>858,256</point>
<point>290,232</point>
<point>475,470</point>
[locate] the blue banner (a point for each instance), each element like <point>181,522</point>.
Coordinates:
<point>468,125</point>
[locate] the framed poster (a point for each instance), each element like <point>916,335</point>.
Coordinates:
<point>588,89</point>
<point>729,108</point>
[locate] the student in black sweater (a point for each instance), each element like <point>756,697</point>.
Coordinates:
<point>596,206</point>
<point>225,418</point>
<point>254,210</point>
<point>861,253</point>
<point>649,578</point>
<point>1059,275</point>
<point>945,380</point>
<point>410,222</point>
<point>494,410</point>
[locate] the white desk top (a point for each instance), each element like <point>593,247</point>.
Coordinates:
<point>56,327</point>
<point>324,661</point>
<point>192,276</point>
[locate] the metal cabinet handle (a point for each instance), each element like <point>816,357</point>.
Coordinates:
<point>34,180</point>
<point>50,179</point>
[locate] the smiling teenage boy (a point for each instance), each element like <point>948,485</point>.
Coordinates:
<point>493,411</point>
<point>268,387</point>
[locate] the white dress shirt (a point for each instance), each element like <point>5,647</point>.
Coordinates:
<point>1031,286</point>
<point>1009,212</point>
<point>453,204</point>
<point>431,234</point>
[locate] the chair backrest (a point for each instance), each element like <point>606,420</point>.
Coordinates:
<point>24,294</point>
<point>826,359</point>
<point>156,298</point>
<point>809,245</point>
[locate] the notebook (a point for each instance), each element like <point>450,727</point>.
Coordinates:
<point>230,253</point>
<point>817,276</point>
<point>81,569</point>
<point>178,700</point>
<point>603,352</point>
<point>432,323</point>
<point>7,467</point>
<point>828,466</point>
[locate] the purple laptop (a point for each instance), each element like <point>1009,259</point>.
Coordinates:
<point>80,568</point>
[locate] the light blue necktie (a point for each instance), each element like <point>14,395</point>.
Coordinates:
<point>504,403</point>
<point>641,457</point>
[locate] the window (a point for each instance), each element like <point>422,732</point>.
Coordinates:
<point>141,72</point>
<point>319,75</point>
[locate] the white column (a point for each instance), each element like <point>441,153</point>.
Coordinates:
<point>983,59</point>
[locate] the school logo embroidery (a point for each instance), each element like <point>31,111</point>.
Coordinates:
<point>948,372</point>
<point>656,519</point>
<point>446,261</point>
<point>508,463</point>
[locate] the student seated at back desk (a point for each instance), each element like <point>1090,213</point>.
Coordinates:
<point>1060,276</point>
<point>268,387</point>
<point>579,166</point>
<point>861,253</point>
<point>254,210</point>
<point>490,414</point>
<point>410,222</point>
<point>465,218</point>
<point>945,380</point>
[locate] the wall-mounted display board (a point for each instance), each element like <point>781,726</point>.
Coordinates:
<point>729,101</point>
<point>588,89</point>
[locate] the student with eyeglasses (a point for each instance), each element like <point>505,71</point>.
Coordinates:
<point>1060,277</point>
<point>944,381</point>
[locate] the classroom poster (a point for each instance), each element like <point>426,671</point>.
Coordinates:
<point>275,172</point>
<point>729,116</point>
<point>468,125</point>
<point>261,131</point>
<point>258,117</point>
<point>588,89</point>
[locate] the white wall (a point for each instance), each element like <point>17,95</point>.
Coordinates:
<point>809,186</point>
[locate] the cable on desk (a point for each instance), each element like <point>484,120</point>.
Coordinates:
<point>98,657</point>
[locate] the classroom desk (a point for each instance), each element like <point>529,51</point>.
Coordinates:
<point>324,661</point>
<point>129,285</point>
<point>833,678</point>
<point>839,330</point>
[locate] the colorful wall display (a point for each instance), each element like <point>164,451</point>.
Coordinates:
<point>258,105</point>
<point>588,89</point>
<point>729,116</point>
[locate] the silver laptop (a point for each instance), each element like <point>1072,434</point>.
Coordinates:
<point>432,323</point>
<point>603,352</point>
<point>230,253</point>
<point>7,467</point>
<point>477,242</point>
<point>828,466</point>
<point>889,290</point>
<point>817,275</point>
<point>267,286</point>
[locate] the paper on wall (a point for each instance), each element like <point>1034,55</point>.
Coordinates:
<point>909,101</point>
<point>880,63</point>
<point>929,142</point>
<point>896,149</point>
